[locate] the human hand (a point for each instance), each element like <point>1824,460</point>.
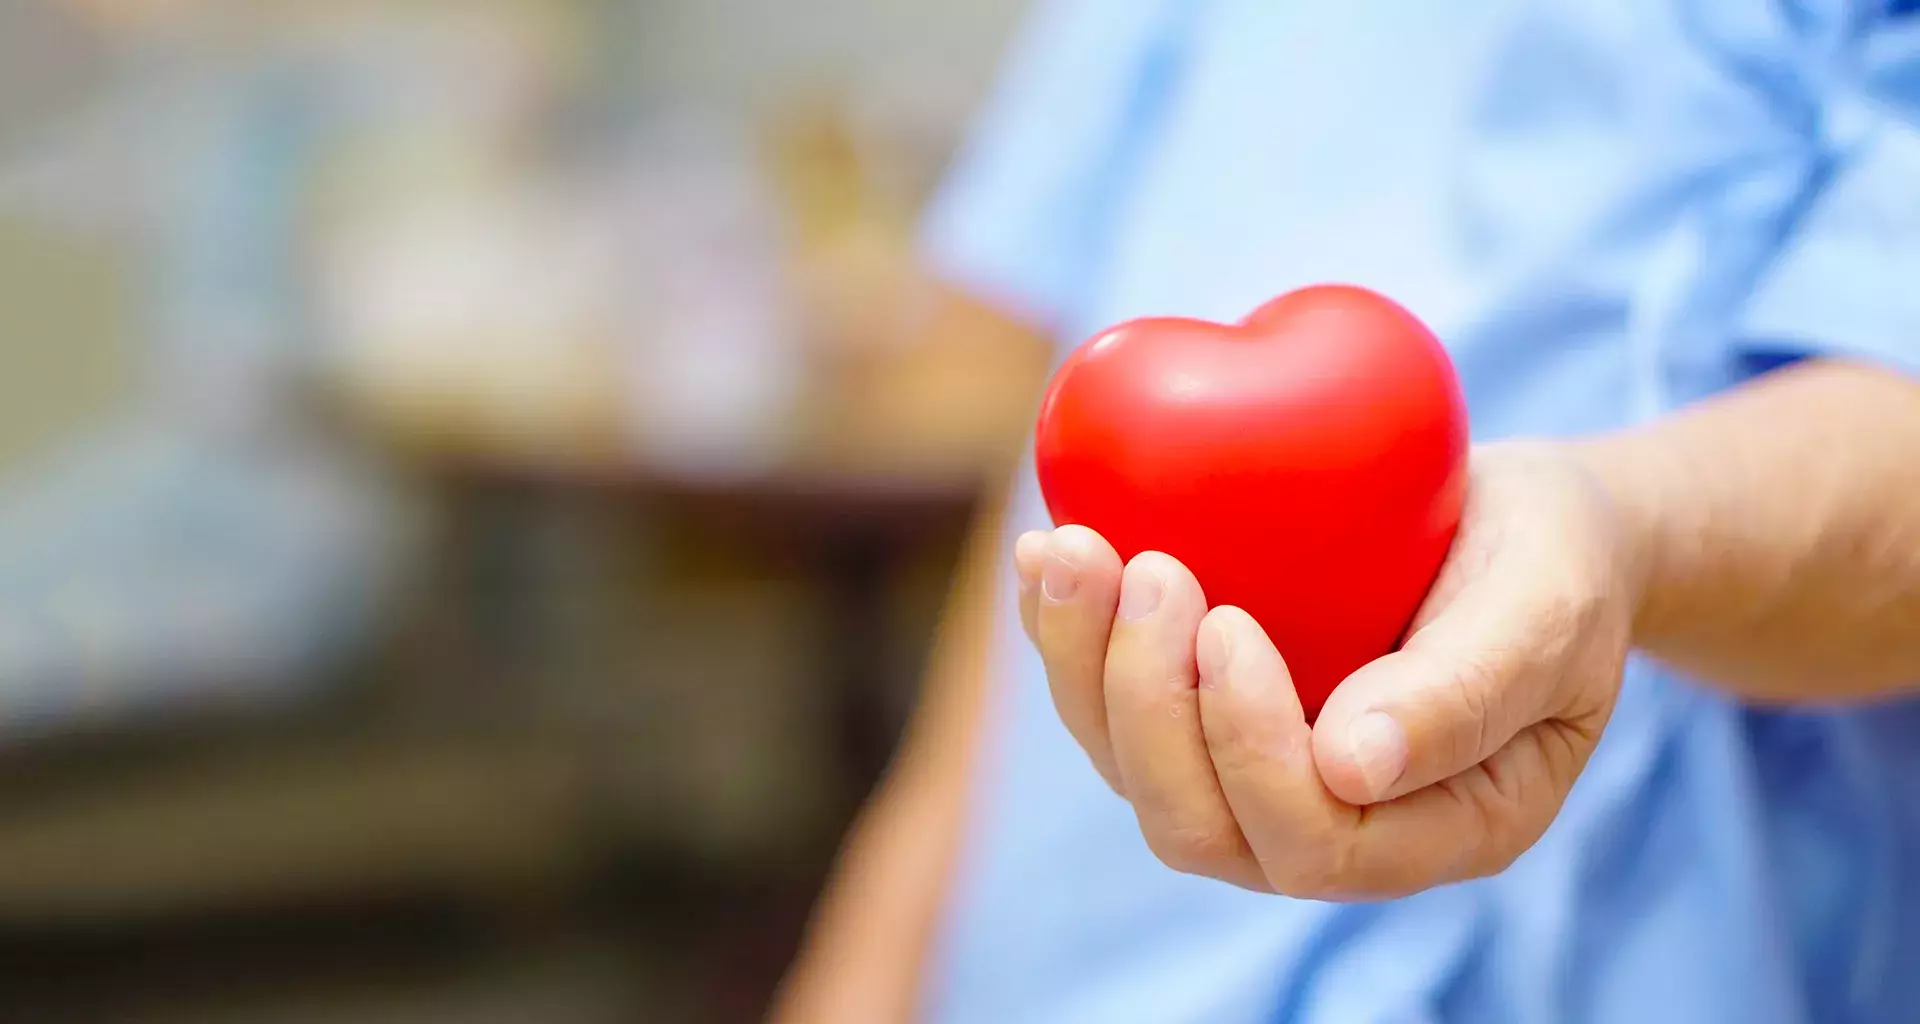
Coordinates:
<point>1440,762</point>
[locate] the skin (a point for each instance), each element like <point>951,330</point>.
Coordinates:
<point>861,958</point>
<point>1495,701</point>
<point>1447,759</point>
<point>1766,541</point>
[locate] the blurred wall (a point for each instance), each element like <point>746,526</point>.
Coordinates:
<point>747,51</point>
<point>63,301</point>
<point>65,316</point>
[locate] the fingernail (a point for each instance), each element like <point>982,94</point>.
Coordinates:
<point>1140,592</point>
<point>1029,551</point>
<point>1216,654</point>
<point>1379,748</point>
<point>1058,578</point>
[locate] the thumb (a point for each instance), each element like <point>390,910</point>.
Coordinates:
<point>1464,684</point>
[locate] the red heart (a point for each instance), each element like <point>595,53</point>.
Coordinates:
<point>1308,464</point>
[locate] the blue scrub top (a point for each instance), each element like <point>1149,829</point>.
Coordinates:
<point>1606,208</point>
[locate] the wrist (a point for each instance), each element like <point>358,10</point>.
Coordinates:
<point>1624,475</point>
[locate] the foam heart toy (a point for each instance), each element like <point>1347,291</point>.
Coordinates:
<point>1308,464</point>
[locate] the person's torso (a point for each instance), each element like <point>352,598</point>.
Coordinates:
<point>1577,197</point>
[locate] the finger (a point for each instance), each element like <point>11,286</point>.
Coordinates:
<point>1311,844</point>
<point>1029,552</point>
<point>1262,750</point>
<point>1469,825</point>
<point>1079,590</point>
<point>1485,667</point>
<point>1153,719</point>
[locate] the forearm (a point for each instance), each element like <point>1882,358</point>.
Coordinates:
<point>864,952</point>
<point>1776,532</point>
<point>863,955</point>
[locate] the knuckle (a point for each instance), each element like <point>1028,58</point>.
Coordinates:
<point>1318,886</point>
<point>1228,745</point>
<point>1490,858</point>
<point>1475,700</point>
<point>1566,617</point>
<point>1486,861</point>
<point>1240,745</point>
<point>1323,867</point>
<point>1204,849</point>
<point>1495,797</point>
<point>1564,748</point>
<point>1471,697</point>
<point>1499,804</point>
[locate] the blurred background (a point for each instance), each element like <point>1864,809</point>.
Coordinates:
<point>476,491</point>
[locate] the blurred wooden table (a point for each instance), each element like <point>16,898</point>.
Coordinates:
<point>846,537</point>
<point>630,707</point>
